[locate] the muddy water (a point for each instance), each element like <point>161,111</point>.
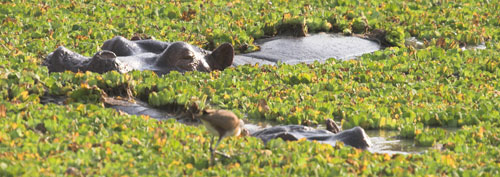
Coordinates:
<point>314,47</point>
<point>318,47</point>
<point>139,108</point>
<point>386,141</point>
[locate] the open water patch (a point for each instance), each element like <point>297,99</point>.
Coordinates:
<point>387,142</point>
<point>314,47</point>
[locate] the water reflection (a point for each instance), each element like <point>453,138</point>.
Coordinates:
<point>386,141</point>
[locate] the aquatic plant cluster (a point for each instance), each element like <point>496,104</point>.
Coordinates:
<point>417,92</point>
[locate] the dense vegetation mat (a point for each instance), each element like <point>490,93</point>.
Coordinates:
<point>417,92</point>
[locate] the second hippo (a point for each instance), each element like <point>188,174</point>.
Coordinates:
<point>355,137</point>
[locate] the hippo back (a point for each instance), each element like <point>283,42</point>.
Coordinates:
<point>355,137</point>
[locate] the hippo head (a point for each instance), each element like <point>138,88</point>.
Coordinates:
<point>183,57</point>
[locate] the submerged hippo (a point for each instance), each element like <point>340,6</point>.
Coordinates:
<point>355,137</point>
<point>124,55</point>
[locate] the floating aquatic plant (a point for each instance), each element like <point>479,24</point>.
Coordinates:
<point>395,88</point>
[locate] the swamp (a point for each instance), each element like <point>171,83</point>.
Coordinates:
<point>419,77</point>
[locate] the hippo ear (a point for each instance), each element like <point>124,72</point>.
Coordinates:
<point>208,111</point>
<point>222,57</point>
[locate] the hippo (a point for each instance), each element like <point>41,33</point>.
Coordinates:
<point>355,137</point>
<point>123,55</point>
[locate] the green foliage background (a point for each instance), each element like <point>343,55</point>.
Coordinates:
<point>413,91</point>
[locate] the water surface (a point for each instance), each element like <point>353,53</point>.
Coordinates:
<point>314,47</point>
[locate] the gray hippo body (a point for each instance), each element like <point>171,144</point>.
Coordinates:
<point>124,55</point>
<point>355,137</point>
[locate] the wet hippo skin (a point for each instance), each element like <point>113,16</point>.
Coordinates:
<point>355,137</point>
<point>124,55</point>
